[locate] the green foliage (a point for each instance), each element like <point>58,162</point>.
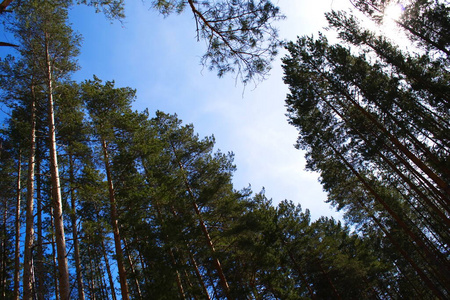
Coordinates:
<point>184,228</point>
<point>240,35</point>
<point>373,120</point>
<point>113,9</point>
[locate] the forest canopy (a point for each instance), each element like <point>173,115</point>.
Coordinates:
<point>100,201</point>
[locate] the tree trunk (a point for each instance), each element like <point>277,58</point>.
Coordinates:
<point>133,271</point>
<point>76,246</point>
<point>108,271</point>
<point>17,241</point>
<point>299,270</point>
<point>55,265</point>
<point>417,241</point>
<point>40,249</point>
<point>166,238</point>
<point>29,218</point>
<point>4,251</point>
<point>115,225</point>
<point>199,275</point>
<point>392,165</point>
<point>204,229</point>
<point>330,282</point>
<point>91,273</point>
<point>417,161</point>
<point>64,287</point>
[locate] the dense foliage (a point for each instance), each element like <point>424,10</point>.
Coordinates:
<point>99,201</point>
<point>374,120</point>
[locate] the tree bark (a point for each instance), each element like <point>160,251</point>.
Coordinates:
<point>133,270</point>
<point>76,245</point>
<point>4,251</point>
<point>108,271</point>
<point>205,231</point>
<point>29,218</point>
<point>55,264</point>
<point>417,241</point>
<point>40,250</point>
<point>115,225</point>
<point>64,285</point>
<point>17,225</point>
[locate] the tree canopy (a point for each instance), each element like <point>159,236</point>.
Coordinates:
<point>374,121</point>
<point>100,201</point>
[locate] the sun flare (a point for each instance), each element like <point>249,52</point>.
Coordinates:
<point>393,12</point>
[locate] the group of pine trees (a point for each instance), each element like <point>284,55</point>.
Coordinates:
<point>374,121</point>
<point>98,201</point>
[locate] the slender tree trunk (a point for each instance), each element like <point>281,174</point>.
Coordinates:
<point>4,253</point>
<point>108,271</point>
<point>209,241</point>
<point>40,249</point>
<point>64,285</point>
<point>211,282</point>
<point>333,287</point>
<point>144,268</point>
<point>394,167</point>
<point>17,241</point>
<point>419,163</point>
<point>189,283</point>
<point>204,229</point>
<point>437,262</point>
<point>101,281</point>
<point>76,245</point>
<point>193,262</point>
<point>133,270</point>
<point>199,275</point>
<point>55,264</point>
<point>29,215</point>
<point>91,287</point>
<point>91,273</point>
<point>431,284</point>
<point>424,38</point>
<point>115,225</point>
<point>178,276</point>
<point>166,237</point>
<point>299,271</point>
<point>402,252</point>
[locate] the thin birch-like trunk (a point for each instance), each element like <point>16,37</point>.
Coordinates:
<point>203,227</point>
<point>29,215</point>
<point>76,244</point>
<point>40,249</point>
<point>419,243</point>
<point>17,225</point>
<point>55,271</point>
<point>108,271</point>
<point>63,268</point>
<point>216,261</point>
<point>115,225</point>
<point>4,255</point>
<point>133,270</point>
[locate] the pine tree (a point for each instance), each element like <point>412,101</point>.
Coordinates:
<point>107,107</point>
<point>9,201</point>
<point>373,124</point>
<point>47,44</point>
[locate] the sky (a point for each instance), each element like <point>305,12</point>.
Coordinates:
<point>160,58</point>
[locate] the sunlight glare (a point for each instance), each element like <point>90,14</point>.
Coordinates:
<point>393,12</point>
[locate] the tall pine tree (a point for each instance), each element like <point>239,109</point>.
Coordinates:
<point>374,125</point>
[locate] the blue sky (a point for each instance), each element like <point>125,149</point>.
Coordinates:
<point>160,57</point>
